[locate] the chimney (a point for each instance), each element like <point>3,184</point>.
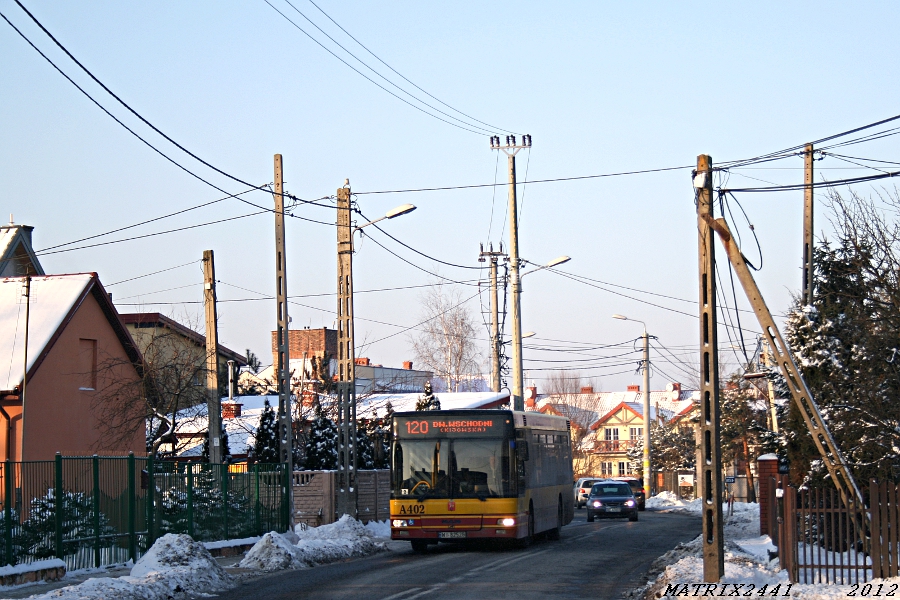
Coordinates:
<point>587,389</point>
<point>531,396</point>
<point>634,388</point>
<point>407,364</point>
<point>231,410</point>
<point>362,362</point>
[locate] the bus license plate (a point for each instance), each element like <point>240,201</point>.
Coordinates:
<point>451,534</point>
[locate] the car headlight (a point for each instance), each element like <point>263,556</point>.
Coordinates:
<point>597,504</point>
<point>629,503</point>
<point>507,522</point>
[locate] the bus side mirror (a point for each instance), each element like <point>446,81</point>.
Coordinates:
<point>521,449</point>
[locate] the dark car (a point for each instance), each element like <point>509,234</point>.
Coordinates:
<point>612,499</point>
<point>637,488</point>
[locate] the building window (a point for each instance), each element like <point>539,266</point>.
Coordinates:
<point>606,469</point>
<point>87,364</point>
<point>612,434</point>
<point>635,433</point>
<point>624,468</point>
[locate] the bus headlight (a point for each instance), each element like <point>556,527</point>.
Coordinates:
<point>398,523</point>
<point>507,522</point>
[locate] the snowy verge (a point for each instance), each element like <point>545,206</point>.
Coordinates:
<point>306,547</point>
<point>747,563</point>
<point>176,567</point>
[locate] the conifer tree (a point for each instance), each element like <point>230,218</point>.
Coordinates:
<point>265,445</point>
<point>428,401</point>
<point>365,449</point>
<point>321,445</point>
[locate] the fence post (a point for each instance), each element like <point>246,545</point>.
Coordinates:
<point>151,501</point>
<point>223,468</point>
<point>190,498</point>
<point>258,502</point>
<point>8,476</point>
<point>789,537</point>
<point>58,501</point>
<point>132,536</point>
<point>875,501</point>
<point>285,496</point>
<point>96,509</point>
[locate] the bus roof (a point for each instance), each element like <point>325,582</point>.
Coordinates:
<point>522,418</point>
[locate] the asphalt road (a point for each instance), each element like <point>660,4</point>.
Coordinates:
<point>591,560</point>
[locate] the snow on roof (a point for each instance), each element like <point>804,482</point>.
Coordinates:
<point>15,239</point>
<point>587,409</point>
<point>52,299</point>
<point>241,430</point>
<point>375,405</point>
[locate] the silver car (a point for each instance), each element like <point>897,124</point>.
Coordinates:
<point>583,489</point>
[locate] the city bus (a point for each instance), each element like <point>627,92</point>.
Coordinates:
<point>461,475</point>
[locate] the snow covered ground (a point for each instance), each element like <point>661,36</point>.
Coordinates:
<point>305,547</point>
<point>177,567</point>
<point>746,562</point>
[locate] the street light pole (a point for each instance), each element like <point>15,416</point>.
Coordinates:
<point>517,401</point>
<point>346,362</point>
<point>646,397</point>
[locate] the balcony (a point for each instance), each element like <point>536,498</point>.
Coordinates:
<point>603,446</point>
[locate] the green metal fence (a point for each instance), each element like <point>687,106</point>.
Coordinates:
<point>95,511</point>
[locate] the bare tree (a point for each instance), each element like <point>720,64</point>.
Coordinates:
<point>563,391</point>
<point>446,344</point>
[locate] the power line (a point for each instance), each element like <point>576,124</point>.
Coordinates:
<point>146,235</point>
<point>484,185</point>
<point>193,262</point>
<point>361,74</point>
<point>366,65</point>
<point>404,78</point>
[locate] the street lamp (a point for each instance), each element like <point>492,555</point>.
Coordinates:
<point>517,401</point>
<point>646,403</point>
<point>346,382</point>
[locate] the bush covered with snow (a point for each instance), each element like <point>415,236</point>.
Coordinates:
<point>345,538</point>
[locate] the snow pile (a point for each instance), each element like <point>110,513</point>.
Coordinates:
<point>379,529</point>
<point>746,562</point>
<point>671,501</point>
<point>306,547</point>
<point>175,567</point>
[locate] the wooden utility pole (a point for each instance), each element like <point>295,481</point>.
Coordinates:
<point>709,452</point>
<point>283,356</point>
<point>495,316</point>
<point>346,363</point>
<point>213,402</point>
<point>808,235</point>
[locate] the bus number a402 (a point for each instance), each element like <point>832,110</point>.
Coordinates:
<point>412,509</point>
<point>416,427</point>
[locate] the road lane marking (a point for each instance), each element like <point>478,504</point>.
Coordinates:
<point>401,594</point>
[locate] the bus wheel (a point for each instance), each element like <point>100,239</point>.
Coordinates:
<point>526,541</point>
<point>553,534</point>
<point>419,546</point>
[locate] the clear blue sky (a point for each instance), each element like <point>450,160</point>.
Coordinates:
<point>601,87</point>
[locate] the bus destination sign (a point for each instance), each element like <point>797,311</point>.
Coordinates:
<point>453,426</point>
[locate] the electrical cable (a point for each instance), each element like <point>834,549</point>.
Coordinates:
<point>823,184</point>
<point>193,262</point>
<point>366,65</point>
<point>412,264</point>
<point>361,74</point>
<point>404,78</point>
<point>408,247</point>
<point>484,185</point>
<point>138,237</point>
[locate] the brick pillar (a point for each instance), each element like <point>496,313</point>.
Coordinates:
<point>767,468</point>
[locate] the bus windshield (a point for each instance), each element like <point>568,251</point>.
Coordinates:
<point>457,468</point>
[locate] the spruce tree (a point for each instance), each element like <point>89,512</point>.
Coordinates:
<point>321,445</point>
<point>265,445</point>
<point>365,449</point>
<point>428,401</point>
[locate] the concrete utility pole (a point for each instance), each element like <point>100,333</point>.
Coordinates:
<point>647,420</point>
<point>213,401</point>
<point>808,234</point>
<point>27,293</point>
<point>517,401</point>
<point>346,363</point>
<point>709,454</point>
<point>283,361</point>
<point>770,387</point>
<point>495,315</point>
